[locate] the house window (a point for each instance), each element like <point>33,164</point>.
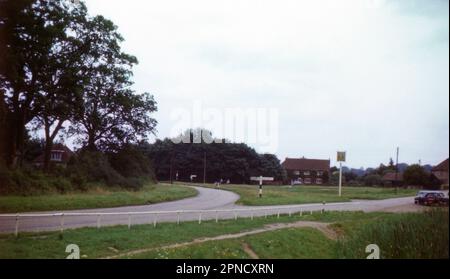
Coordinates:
<point>319,173</point>
<point>56,156</point>
<point>306,173</point>
<point>319,181</point>
<point>307,180</point>
<point>296,172</point>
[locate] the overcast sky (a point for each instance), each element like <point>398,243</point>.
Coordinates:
<point>361,76</point>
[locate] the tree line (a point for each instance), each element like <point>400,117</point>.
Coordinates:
<point>64,72</point>
<point>215,159</point>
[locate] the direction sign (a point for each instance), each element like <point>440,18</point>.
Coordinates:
<point>341,156</point>
<point>260,179</point>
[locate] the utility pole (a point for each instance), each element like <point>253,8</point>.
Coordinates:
<point>396,164</point>
<point>171,169</point>
<point>396,170</point>
<point>340,179</point>
<point>204,168</point>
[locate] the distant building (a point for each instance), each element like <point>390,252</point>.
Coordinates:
<point>307,171</point>
<point>392,179</point>
<point>59,155</point>
<point>441,172</point>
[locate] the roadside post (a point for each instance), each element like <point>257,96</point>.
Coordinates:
<point>192,177</point>
<point>340,158</point>
<point>260,179</point>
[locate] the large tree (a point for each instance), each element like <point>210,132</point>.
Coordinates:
<point>112,113</point>
<point>63,68</point>
<point>36,44</point>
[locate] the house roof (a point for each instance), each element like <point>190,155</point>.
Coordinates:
<point>443,166</point>
<point>57,147</point>
<point>306,164</point>
<point>392,176</point>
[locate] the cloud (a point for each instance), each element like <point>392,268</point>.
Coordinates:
<point>363,76</point>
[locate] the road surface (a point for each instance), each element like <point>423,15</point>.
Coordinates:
<point>208,199</point>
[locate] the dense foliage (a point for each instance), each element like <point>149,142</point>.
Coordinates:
<point>62,68</point>
<point>236,162</point>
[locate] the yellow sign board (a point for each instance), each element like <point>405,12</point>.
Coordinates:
<point>341,156</point>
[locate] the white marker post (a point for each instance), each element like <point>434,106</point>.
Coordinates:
<point>192,177</point>
<point>260,180</point>
<point>340,159</point>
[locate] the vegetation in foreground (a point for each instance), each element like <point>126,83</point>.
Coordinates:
<point>283,243</point>
<point>280,195</point>
<point>109,241</point>
<point>292,243</point>
<point>399,236</point>
<point>403,236</point>
<point>100,197</point>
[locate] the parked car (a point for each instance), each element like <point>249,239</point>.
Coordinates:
<point>431,198</point>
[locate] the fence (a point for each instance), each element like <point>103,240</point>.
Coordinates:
<point>176,215</point>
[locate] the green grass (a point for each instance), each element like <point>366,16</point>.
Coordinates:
<point>281,195</point>
<point>408,235</point>
<point>96,243</point>
<point>98,198</point>
<point>292,243</point>
<point>401,236</point>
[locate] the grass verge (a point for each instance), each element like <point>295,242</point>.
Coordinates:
<point>401,236</point>
<point>292,243</point>
<point>282,195</point>
<point>109,241</point>
<point>95,198</point>
<point>405,235</point>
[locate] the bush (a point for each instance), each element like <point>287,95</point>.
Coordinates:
<point>372,180</point>
<point>90,166</point>
<point>433,183</point>
<point>31,182</point>
<point>354,183</point>
<point>128,168</point>
<point>130,162</point>
<point>415,175</point>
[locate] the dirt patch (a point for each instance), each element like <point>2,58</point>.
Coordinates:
<point>406,208</point>
<point>249,251</point>
<point>323,227</point>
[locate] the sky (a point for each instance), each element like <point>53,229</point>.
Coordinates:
<point>361,76</point>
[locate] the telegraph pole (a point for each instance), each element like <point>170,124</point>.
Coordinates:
<point>171,168</point>
<point>396,170</point>
<point>396,164</point>
<point>204,167</point>
<point>340,179</point>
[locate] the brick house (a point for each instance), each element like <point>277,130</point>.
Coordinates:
<point>441,172</point>
<point>392,179</point>
<point>60,155</point>
<point>307,171</point>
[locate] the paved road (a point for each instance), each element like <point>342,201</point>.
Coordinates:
<point>208,199</point>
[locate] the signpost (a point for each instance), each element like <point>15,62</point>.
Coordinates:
<point>340,158</point>
<point>260,179</point>
<point>192,177</point>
